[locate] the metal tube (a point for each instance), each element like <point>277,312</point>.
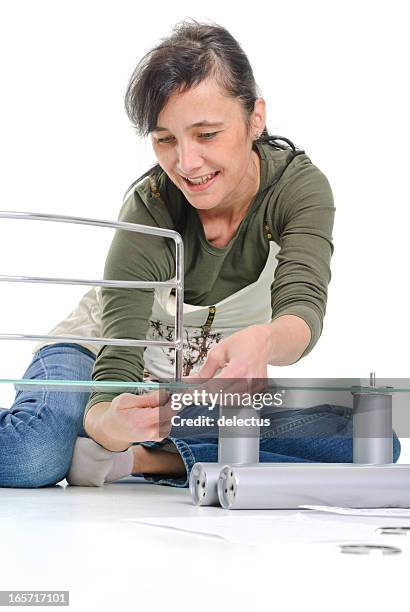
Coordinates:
<point>179,308</point>
<point>203,483</point>
<point>238,444</point>
<point>280,486</point>
<point>90,339</point>
<point>178,283</point>
<point>93,282</point>
<point>238,450</point>
<point>132,227</point>
<point>372,428</point>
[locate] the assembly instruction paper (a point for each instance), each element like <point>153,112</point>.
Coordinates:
<point>298,527</point>
<point>388,512</point>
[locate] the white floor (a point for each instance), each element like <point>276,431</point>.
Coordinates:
<point>132,545</point>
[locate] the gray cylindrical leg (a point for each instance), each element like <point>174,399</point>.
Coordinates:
<point>280,486</point>
<point>238,444</point>
<point>203,483</point>
<point>372,428</point>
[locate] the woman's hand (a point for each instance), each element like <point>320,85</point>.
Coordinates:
<point>135,418</point>
<point>245,354</point>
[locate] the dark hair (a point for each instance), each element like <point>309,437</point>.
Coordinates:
<point>182,60</point>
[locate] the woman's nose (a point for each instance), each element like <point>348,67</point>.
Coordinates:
<point>188,159</point>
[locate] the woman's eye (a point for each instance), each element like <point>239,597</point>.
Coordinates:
<point>165,139</point>
<point>208,135</point>
<point>170,139</point>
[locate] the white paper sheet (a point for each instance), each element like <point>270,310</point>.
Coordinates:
<point>388,512</point>
<point>301,528</point>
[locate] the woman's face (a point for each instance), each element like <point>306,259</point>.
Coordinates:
<point>203,143</point>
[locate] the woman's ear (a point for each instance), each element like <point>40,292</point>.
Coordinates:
<point>258,117</point>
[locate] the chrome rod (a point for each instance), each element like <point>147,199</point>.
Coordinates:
<point>132,227</point>
<point>178,283</point>
<point>90,340</point>
<point>179,310</point>
<point>77,281</point>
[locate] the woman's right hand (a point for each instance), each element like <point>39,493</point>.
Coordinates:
<point>131,418</point>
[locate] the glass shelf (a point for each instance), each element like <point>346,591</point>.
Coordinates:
<point>389,386</point>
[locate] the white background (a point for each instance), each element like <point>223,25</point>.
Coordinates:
<point>334,78</point>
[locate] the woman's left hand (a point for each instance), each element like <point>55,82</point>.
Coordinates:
<point>245,354</point>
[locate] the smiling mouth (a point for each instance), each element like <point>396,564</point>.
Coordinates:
<point>201,180</point>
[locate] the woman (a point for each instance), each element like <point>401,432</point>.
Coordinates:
<point>256,218</point>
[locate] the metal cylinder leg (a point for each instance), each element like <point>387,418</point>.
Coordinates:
<point>290,485</point>
<point>372,428</point>
<point>238,443</point>
<point>203,483</point>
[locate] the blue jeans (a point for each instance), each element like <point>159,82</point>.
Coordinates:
<point>38,433</point>
<point>318,434</point>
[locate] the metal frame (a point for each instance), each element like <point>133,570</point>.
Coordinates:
<point>208,482</point>
<point>177,282</point>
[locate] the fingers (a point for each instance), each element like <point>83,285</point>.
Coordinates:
<point>165,424</point>
<point>150,400</point>
<point>153,423</point>
<point>235,368</point>
<point>144,424</point>
<point>228,366</point>
<point>215,361</point>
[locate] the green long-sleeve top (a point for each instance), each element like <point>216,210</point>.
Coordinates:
<point>293,206</point>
